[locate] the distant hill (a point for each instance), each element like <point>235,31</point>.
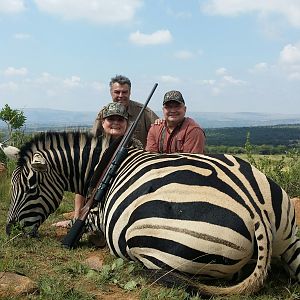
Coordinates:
<point>242,119</point>
<point>275,135</point>
<point>51,118</point>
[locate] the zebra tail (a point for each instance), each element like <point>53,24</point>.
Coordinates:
<point>255,280</point>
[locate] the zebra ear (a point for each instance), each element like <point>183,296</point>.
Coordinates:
<point>39,163</point>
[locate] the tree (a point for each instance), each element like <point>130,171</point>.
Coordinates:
<point>13,118</point>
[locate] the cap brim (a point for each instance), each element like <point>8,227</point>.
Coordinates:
<point>115,114</point>
<point>178,101</point>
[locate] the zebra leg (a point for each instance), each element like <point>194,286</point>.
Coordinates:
<point>93,228</point>
<point>291,258</point>
<point>287,242</point>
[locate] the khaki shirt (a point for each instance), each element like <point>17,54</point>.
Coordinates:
<point>144,124</point>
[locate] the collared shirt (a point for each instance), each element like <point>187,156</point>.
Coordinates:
<point>187,137</point>
<point>141,131</point>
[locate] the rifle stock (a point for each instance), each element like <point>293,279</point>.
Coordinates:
<point>74,235</point>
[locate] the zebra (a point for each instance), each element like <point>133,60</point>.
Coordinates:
<point>204,215</point>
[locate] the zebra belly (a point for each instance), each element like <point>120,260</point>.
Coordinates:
<point>195,237</point>
<point>189,247</point>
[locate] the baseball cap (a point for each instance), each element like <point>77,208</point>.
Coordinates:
<point>173,96</point>
<point>114,109</point>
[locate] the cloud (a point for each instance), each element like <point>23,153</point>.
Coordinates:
<point>98,86</point>
<point>155,38</point>
<point>221,71</point>
<point>286,67</point>
<point>233,81</point>
<point>179,14</point>
<point>12,6</point>
<point>169,79</point>
<point>260,67</point>
<point>227,79</point>
<point>22,36</point>
<point>44,78</point>
<point>209,82</point>
<point>184,54</point>
<point>294,75</point>
<point>290,54</point>
<point>289,9</point>
<point>222,83</point>
<point>55,91</point>
<point>96,11</point>
<point>9,86</point>
<point>74,81</point>
<point>47,81</point>
<point>11,71</point>
<point>289,61</point>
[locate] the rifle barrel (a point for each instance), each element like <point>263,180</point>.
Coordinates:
<point>73,236</point>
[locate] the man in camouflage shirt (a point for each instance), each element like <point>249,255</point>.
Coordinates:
<point>120,89</point>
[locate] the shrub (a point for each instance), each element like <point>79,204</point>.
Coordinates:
<point>284,171</point>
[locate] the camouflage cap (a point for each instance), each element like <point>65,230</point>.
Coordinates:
<point>114,109</point>
<point>173,96</point>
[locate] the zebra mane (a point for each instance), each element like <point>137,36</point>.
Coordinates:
<point>40,140</point>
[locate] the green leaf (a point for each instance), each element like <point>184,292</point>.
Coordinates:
<point>130,268</point>
<point>130,285</point>
<point>91,274</point>
<point>117,263</point>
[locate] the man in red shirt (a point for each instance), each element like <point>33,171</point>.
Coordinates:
<point>176,133</point>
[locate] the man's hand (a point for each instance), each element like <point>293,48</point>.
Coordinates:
<point>158,121</point>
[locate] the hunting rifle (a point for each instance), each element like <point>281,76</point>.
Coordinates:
<point>98,192</point>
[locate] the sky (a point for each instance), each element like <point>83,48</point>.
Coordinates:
<point>223,55</point>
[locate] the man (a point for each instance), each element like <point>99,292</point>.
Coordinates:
<point>176,133</point>
<point>120,90</point>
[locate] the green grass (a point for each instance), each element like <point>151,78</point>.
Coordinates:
<point>62,274</point>
<point>283,169</point>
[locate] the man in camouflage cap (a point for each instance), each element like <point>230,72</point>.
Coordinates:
<point>176,133</point>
